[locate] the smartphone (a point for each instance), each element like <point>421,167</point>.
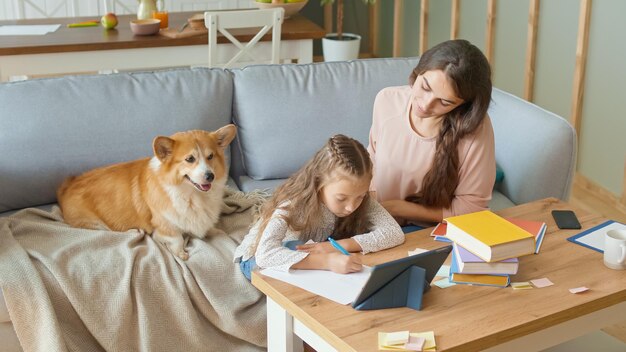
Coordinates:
<point>565,219</point>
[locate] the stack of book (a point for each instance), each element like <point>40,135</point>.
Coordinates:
<point>486,246</point>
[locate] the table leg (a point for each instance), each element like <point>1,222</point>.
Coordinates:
<point>280,335</point>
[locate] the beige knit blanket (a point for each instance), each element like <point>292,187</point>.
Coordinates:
<point>71,289</point>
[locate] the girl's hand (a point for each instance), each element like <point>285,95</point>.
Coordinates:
<point>321,247</point>
<point>344,264</point>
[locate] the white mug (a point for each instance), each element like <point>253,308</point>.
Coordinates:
<point>615,249</point>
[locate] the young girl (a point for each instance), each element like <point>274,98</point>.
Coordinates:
<point>327,197</point>
<point>432,142</point>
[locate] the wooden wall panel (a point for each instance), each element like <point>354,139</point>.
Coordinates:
<point>454,20</point>
<point>582,44</point>
<point>531,47</point>
<point>374,11</point>
<point>398,7</point>
<point>423,26</point>
<point>490,32</point>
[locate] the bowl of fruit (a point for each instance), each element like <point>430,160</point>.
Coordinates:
<point>291,6</point>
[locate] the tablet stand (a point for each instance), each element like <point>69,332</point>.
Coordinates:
<point>405,290</point>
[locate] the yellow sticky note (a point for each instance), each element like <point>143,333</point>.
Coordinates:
<point>521,285</point>
<point>383,339</point>
<point>396,338</point>
<point>382,343</point>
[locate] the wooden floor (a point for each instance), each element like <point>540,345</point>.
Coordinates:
<point>591,202</point>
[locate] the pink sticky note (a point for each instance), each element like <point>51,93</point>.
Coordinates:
<point>578,289</point>
<point>415,343</point>
<point>543,282</point>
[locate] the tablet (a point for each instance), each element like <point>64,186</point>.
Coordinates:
<point>383,273</point>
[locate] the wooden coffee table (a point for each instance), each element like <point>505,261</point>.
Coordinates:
<point>466,318</point>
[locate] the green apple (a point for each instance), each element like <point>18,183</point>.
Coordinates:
<point>109,21</point>
<point>264,1</point>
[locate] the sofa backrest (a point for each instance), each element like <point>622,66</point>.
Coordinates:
<point>54,128</point>
<point>285,113</point>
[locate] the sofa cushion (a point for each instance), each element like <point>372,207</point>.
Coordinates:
<point>285,113</point>
<point>248,184</point>
<point>535,149</point>
<point>499,201</point>
<point>53,128</point>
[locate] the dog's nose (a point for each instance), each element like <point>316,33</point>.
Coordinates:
<point>209,176</point>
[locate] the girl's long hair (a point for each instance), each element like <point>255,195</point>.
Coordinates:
<point>341,158</point>
<point>470,75</point>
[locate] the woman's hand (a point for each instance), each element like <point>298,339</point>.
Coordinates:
<point>320,247</point>
<point>344,264</point>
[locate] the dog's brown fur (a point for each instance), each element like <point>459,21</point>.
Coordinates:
<point>177,191</point>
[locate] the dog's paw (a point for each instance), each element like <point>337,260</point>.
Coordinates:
<point>183,255</point>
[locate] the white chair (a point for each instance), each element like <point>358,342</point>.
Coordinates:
<point>255,52</point>
<point>40,9</point>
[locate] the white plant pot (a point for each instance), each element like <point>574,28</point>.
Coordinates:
<point>341,50</point>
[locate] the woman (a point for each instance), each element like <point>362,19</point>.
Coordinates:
<point>432,142</point>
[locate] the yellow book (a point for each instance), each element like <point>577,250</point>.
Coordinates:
<point>489,236</point>
<point>480,279</point>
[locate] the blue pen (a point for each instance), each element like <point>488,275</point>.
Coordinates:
<point>338,246</point>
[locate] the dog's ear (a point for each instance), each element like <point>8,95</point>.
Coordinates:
<point>163,147</point>
<point>225,135</point>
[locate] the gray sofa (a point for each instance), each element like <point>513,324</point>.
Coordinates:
<point>53,128</point>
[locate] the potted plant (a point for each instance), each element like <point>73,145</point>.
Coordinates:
<point>341,46</point>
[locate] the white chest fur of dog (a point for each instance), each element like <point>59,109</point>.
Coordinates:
<point>178,191</point>
<point>193,212</point>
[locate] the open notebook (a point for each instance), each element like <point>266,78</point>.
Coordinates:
<point>356,288</point>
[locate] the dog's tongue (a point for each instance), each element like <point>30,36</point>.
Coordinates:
<point>206,187</point>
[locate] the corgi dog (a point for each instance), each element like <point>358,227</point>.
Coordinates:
<point>177,191</point>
